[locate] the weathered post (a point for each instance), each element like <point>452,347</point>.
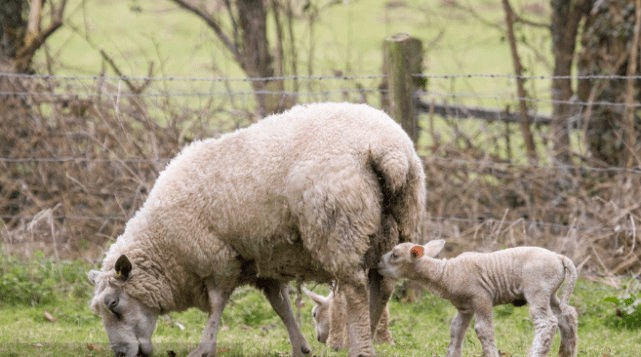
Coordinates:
<point>403,56</point>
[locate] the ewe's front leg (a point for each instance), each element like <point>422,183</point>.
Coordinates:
<point>278,295</point>
<point>484,329</point>
<point>360,332</point>
<point>459,325</point>
<point>217,300</point>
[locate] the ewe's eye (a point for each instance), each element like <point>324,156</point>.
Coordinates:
<point>394,255</point>
<point>314,314</point>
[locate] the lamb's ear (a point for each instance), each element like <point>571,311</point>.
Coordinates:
<point>123,267</point>
<point>417,251</point>
<point>434,247</point>
<point>318,299</point>
<point>93,275</point>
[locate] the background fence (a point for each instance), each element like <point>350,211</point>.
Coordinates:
<point>79,155</point>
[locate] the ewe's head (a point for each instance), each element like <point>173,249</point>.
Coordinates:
<point>398,262</point>
<point>321,313</point>
<point>129,322</point>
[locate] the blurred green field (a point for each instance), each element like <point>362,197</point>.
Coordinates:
<point>347,38</point>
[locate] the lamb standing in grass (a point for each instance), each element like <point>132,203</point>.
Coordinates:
<point>330,319</point>
<point>475,282</point>
<point>318,193</point>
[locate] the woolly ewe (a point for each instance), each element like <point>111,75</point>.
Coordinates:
<point>475,282</point>
<point>316,193</point>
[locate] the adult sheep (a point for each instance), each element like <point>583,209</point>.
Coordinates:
<point>316,193</point>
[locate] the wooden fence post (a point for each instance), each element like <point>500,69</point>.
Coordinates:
<point>403,55</point>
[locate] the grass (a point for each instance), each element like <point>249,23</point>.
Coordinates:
<point>251,328</point>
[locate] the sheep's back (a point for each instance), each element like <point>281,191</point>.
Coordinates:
<point>249,188</point>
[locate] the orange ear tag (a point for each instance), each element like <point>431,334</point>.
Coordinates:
<point>417,251</point>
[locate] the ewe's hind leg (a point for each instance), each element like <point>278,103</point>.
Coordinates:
<point>568,321</point>
<point>360,335</point>
<point>383,334</point>
<point>278,295</point>
<point>380,290</point>
<point>336,338</point>
<point>459,325</point>
<point>217,300</point>
<point>544,324</point>
<point>484,329</point>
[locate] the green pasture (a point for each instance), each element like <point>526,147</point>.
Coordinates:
<point>34,292</point>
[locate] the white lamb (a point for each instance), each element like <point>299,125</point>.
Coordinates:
<point>318,193</point>
<point>475,282</point>
<point>330,320</point>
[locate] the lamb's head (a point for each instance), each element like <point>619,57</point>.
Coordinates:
<point>399,262</point>
<point>129,322</point>
<point>321,313</point>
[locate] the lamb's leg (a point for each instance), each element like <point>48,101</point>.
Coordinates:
<point>568,321</point>
<point>544,327</point>
<point>360,333</point>
<point>459,325</point>
<point>380,290</point>
<point>217,300</point>
<point>278,295</point>
<point>484,329</point>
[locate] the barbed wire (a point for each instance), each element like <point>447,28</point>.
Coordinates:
<point>534,100</point>
<point>484,163</point>
<point>71,217</point>
<point>308,77</point>
<point>195,94</point>
<point>516,164</point>
<point>480,220</point>
<point>192,79</point>
<point>483,220</point>
<point>514,76</point>
<point>452,95</point>
<point>83,159</point>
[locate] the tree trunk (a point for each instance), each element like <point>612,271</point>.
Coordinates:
<point>566,17</point>
<point>256,59</point>
<point>606,47</point>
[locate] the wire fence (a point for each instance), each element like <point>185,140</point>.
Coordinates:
<point>369,89</point>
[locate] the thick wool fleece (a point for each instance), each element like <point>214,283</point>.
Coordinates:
<point>296,195</point>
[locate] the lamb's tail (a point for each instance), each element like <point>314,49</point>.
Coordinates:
<point>402,180</point>
<point>571,276</point>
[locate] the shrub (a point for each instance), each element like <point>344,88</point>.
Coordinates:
<point>627,312</point>
<point>40,279</point>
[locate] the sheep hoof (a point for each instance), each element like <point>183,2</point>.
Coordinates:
<point>306,350</point>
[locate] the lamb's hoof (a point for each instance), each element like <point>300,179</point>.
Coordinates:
<point>306,350</point>
<point>204,350</point>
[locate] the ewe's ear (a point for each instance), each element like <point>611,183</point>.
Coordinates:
<point>93,275</point>
<point>434,247</point>
<point>123,267</point>
<point>318,299</point>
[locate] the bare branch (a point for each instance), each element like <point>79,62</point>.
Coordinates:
<point>518,18</point>
<point>213,24</point>
<point>25,53</point>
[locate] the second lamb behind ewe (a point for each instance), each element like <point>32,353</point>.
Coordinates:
<point>330,320</point>
<point>475,282</point>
